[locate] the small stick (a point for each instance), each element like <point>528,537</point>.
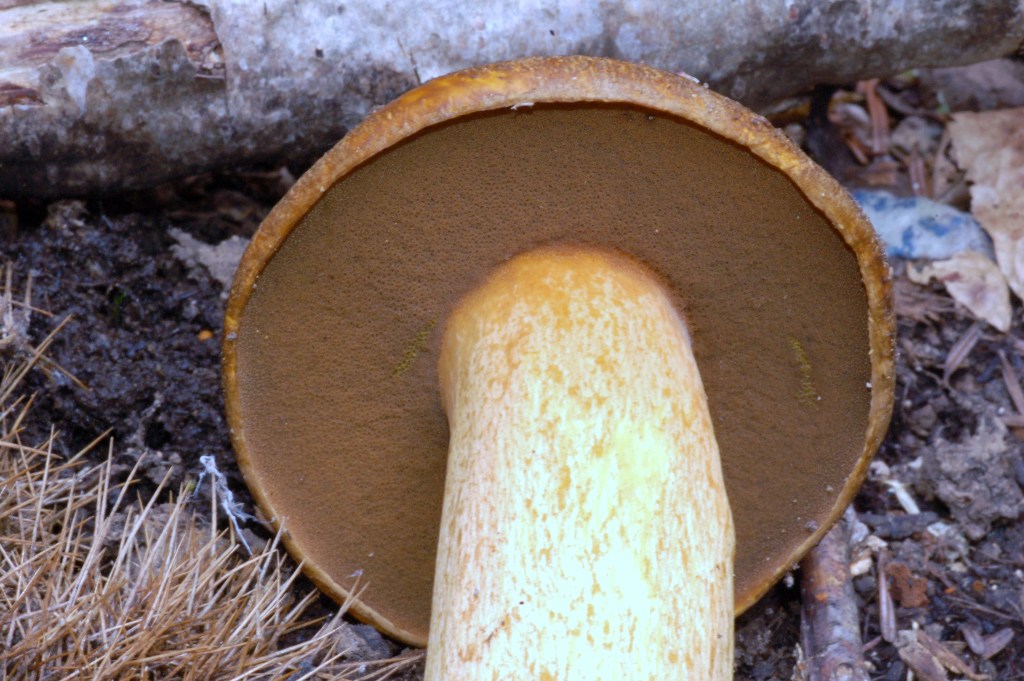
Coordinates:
<point>886,607</point>
<point>829,627</point>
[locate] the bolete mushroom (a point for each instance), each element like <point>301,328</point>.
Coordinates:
<point>570,204</point>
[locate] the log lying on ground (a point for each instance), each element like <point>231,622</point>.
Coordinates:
<point>106,95</point>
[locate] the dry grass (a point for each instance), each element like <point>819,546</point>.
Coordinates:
<point>96,584</point>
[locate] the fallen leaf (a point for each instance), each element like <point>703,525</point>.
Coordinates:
<point>972,280</point>
<point>990,147</point>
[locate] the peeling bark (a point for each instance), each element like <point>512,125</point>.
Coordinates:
<point>104,95</point>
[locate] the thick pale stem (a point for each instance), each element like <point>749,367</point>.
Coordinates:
<point>585,532</point>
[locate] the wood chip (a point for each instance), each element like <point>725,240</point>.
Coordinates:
<point>973,638</point>
<point>947,658</point>
<point>995,643</point>
<point>918,659</point>
<point>930,659</point>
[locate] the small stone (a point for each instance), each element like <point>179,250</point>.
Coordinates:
<point>362,642</point>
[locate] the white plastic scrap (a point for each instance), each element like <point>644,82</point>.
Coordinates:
<point>232,508</point>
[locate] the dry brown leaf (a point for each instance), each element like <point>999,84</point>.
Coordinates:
<point>990,147</point>
<point>972,280</point>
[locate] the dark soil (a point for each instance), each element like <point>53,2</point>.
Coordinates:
<point>143,330</point>
<point>143,336</point>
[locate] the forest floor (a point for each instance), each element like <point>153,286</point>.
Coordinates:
<point>137,361</point>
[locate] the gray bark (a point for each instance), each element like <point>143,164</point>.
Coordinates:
<point>104,95</point>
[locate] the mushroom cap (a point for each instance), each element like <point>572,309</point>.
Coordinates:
<point>333,323</point>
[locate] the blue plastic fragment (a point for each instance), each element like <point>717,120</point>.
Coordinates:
<point>916,227</point>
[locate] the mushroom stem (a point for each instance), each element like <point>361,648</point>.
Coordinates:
<point>585,531</point>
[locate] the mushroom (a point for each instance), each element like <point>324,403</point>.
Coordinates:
<point>585,531</point>
<point>369,271</point>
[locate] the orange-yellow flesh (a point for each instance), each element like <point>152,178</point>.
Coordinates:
<point>337,351</point>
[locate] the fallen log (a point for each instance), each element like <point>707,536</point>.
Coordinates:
<point>107,95</point>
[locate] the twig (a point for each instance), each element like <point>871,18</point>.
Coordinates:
<point>829,628</point>
<point>977,607</point>
<point>1013,420</point>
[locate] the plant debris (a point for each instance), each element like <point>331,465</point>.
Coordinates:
<point>972,280</point>
<point>938,548</point>
<point>96,583</point>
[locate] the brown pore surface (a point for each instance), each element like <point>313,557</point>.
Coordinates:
<point>331,373</point>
